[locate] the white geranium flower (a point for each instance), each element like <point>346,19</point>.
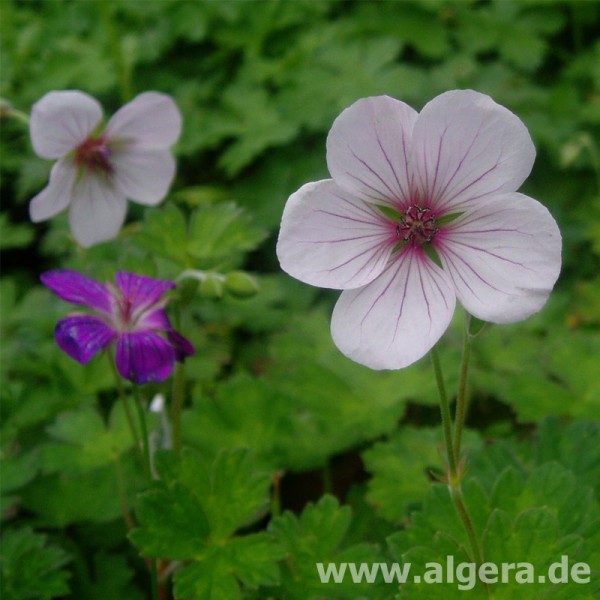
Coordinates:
<point>98,170</point>
<point>421,209</point>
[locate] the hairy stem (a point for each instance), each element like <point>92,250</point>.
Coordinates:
<point>445,411</point>
<point>454,476</point>
<point>461,399</point>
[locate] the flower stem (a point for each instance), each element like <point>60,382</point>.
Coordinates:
<point>445,411</point>
<point>463,513</point>
<point>145,441</point>
<point>148,467</point>
<point>125,400</point>
<point>7,111</point>
<point>454,474</point>
<point>461,399</point>
<point>176,404</point>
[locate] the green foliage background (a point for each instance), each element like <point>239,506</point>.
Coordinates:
<point>268,396</point>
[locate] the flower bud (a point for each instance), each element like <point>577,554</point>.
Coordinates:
<point>240,284</point>
<point>212,286</point>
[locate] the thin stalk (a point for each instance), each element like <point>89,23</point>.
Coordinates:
<point>454,477</point>
<point>17,115</point>
<point>176,405</point>
<point>142,419</point>
<point>463,513</point>
<point>445,411</point>
<point>148,467</point>
<point>125,400</point>
<point>461,399</point>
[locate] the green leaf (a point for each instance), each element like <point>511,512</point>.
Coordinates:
<point>561,375</point>
<point>84,442</point>
<point>221,231</point>
<point>210,579</point>
<point>310,391</point>
<point>110,576</point>
<point>183,518</point>
<point>173,523</point>
<point>534,517</point>
<point>57,498</point>
<point>17,471</point>
<point>235,484</point>
<point>576,447</point>
<point>253,558</point>
<point>164,233</point>
<point>415,453</point>
<point>316,537</point>
<point>31,568</point>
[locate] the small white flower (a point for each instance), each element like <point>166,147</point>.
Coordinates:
<point>98,170</point>
<point>421,209</point>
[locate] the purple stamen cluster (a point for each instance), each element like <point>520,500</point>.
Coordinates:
<point>417,225</point>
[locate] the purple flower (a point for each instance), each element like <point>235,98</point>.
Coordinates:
<point>97,170</point>
<point>132,314</point>
<point>421,209</point>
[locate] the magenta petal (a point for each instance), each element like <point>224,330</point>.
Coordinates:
<point>144,356</point>
<point>141,291</point>
<point>73,287</point>
<point>82,336</point>
<point>181,345</point>
<point>153,320</point>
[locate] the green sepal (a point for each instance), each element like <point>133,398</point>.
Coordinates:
<point>389,212</point>
<point>446,219</point>
<point>398,247</point>
<point>432,253</point>
<point>476,326</point>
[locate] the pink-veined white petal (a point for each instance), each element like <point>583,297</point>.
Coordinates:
<point>97,210</point>
<point>368,149</point>
<point>150,121</point>
<point>144,176</point>
<point>60,121</point>
<point>55,197</point>
<point>503,256</point>
<point>331,239</point>
<point>466,147</point>
<point>396,319</point>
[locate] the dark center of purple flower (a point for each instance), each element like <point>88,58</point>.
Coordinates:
<point>94,155</point>
<point>417,225</point>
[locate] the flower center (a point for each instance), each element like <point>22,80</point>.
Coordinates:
<point>125,318</point>
<point>94,155</point>
<point>417,225</point>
